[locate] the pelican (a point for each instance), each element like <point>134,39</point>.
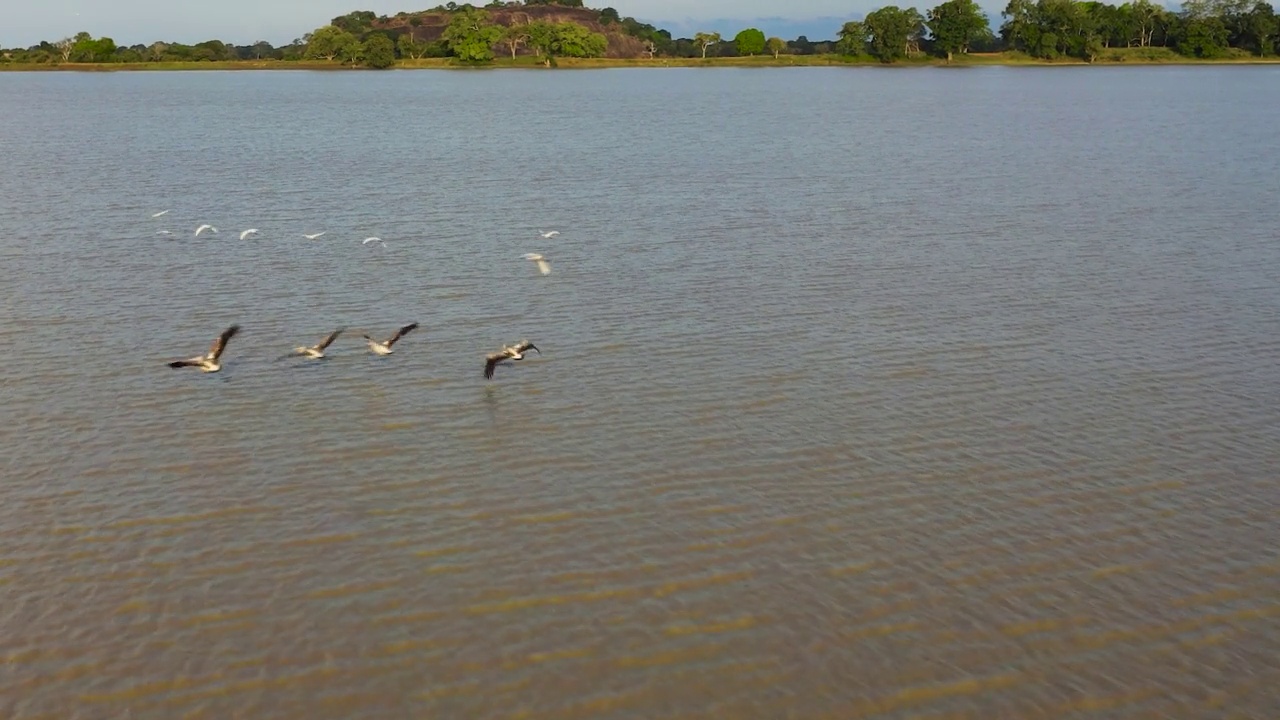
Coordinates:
<point>368,240</point>
<point>209,361</point>
<point>247,233</point>
<point>551,234</point>
<point>543,266</point>
<point>162,212</point>
<point>384,348</point>
<point>313,236</point>
<point>510,352</point>
<point>202,228</point>
<point>315,352</point>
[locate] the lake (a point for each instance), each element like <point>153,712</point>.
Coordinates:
<point>863,392</point>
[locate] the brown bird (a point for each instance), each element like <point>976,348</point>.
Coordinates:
<point>510,352</point>
<point>384,348</point>
<point>209,361</point>
<point>315,352</point>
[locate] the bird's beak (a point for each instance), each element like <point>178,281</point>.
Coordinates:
<point>535,347</point>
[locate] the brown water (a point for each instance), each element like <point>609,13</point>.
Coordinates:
<point>863,394</point>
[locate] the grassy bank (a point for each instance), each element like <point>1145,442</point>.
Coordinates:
<point>1114,56</point>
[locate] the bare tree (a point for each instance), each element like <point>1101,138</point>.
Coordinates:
<point>706,40</point>
<point>64,48</point>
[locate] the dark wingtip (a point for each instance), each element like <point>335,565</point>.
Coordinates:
<point>174,364</point>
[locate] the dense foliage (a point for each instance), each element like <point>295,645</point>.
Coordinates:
<point>1045,29</point>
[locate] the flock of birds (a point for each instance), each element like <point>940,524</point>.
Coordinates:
<point>210,362</point>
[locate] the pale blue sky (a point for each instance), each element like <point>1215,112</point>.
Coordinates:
<point>129,22</point>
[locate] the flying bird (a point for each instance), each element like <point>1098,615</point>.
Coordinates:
<point>313,237</point>
<point>543,266</point>
<point>510,352</point>
<point>247,233</point>
<point>366,241</point>
<point>315,352</point>
<point>384,348</point>
<point>209,361</point>
<point>551,234</point>
<point>202,228</point>
<point>162,212</point>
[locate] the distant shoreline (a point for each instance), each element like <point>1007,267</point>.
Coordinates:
<point>1114,57</point>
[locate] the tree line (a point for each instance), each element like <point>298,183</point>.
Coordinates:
<point>1052,29</point>
<point>1045,29</point>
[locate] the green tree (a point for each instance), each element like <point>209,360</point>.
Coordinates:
<point>89,50</point>
<point>853,39</point>
<point>955,24</point>
<point>212,50</point>
<point>409,48</point>
<point>749,42</point>
<point>357,23</point>
<point>513,36</point>
<point>1261,27</point>
<point>1203,37</point>
<point>329,42</point>
<point>379,51</point>
<point>892,31</point>
<point>573,40</point>
<point>1019,26</point>
<point>776,46</point>
<point>470,36</point>
<point>541,38</point>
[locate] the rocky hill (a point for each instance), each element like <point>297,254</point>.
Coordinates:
<point>428,25</point>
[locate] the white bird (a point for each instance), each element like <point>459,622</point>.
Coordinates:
<point>510,352</point>
<point>202,228</point>
<point>315,352</point>
<point>313,237</point>
<point>551,234</point>
<point>384,348</point>
<point>543,266</point>
<point>162,212</point>
<point>366,241</point>
<point>247,233</point>
<point>163,232</point>
<point>209,361</point>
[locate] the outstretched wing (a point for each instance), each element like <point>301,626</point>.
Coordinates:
<point>401,333</point>
<point>329,340</point>
<point>221,343</point>
<point>183,363</point>
<point>492,360</point>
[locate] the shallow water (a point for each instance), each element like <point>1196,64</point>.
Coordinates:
<point>863,393</point>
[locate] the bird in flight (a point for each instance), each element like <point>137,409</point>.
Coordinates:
<point>162,212</point>
<point>247,233</point>
<point>202,228</point>
<point>313,236</point>
<point>510,352</point>
<point>543,266</point>
<point>551,234</point>
<point>368,240</point>
<point>209,361</point>
<point>315,352</point>
<point>384,348</point>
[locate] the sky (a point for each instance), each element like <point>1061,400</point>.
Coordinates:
<point>243,22</point>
